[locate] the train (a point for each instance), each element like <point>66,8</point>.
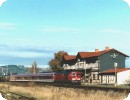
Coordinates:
<point>72,77</point>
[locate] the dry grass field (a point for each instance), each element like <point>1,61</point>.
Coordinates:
<point>58,93</point>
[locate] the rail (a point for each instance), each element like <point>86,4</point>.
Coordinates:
<point>15,96</point>
<point>106,88</point>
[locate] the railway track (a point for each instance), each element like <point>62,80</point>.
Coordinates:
<point>99,87</point>
<point>106,88</point>
<point>14,96</point>
<point>96,87</point>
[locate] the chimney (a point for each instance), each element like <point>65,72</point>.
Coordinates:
<point>107,48</point>
<point>96,50</point>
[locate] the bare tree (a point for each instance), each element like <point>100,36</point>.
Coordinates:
<point>34,69</point>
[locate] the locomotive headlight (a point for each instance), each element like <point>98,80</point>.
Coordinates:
<point>73,79</point>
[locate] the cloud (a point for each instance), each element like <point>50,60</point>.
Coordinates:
<point>24,52</point>
<point>34,52</point>
<point>61,29</point>
<point>25,55</point>
<point>7,26</point>
<point>109,30</point>
<point>127,1</point>
<point>115,31</point>
<point>1,2</point>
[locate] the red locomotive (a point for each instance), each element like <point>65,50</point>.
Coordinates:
<point>68,77</point>
<point>58,77</point>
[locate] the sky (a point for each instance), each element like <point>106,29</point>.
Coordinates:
<point>33,30</point>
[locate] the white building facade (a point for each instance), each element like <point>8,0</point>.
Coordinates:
<point>120,76</point>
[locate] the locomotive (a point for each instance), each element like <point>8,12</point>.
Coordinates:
<point>73,77</point>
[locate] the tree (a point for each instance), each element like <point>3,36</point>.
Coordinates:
<point>55,63</point>
<point>34,68</point>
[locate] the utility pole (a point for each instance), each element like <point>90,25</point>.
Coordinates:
<point>78,63</point>
<point>114,56</point>
<point>85,71</point>
<point>115,66</point>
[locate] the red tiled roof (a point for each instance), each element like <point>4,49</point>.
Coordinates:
<point>113,70</point>
<point>69,57</point>
<point>96,54</point>
<point>92,54</point>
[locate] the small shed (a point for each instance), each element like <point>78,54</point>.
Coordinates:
<point>118,76</point>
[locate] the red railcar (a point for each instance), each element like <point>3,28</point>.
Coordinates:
<point>39,77</point>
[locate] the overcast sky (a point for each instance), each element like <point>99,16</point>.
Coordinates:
<point>35,29</point>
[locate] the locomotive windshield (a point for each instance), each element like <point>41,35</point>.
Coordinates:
<point>75,74</point>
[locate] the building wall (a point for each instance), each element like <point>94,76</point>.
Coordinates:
<point>107,62</point>
<point>10,69</point>
<point>94,77</point>
<point>82,65</point>
<point>66,66</point>
<point>123,77</point>
<point>69,64</point>
<point>107,79</point>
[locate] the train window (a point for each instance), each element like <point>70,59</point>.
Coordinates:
<point>34,77</point>
<point>45,77</point>
<point>73,74</point>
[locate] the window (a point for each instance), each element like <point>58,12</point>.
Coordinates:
<point>95,76</point>
<point>112,78</point>
<point>104,77</point>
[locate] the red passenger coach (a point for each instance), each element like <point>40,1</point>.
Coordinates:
<point>40,77</point>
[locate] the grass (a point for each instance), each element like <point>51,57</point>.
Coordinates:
<point>107,86</point>
<point>59,93</point>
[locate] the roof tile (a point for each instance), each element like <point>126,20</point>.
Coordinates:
<point>92,54</point>
<point>69,57</point>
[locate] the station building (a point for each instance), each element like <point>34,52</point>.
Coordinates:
<point>94,63</point>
